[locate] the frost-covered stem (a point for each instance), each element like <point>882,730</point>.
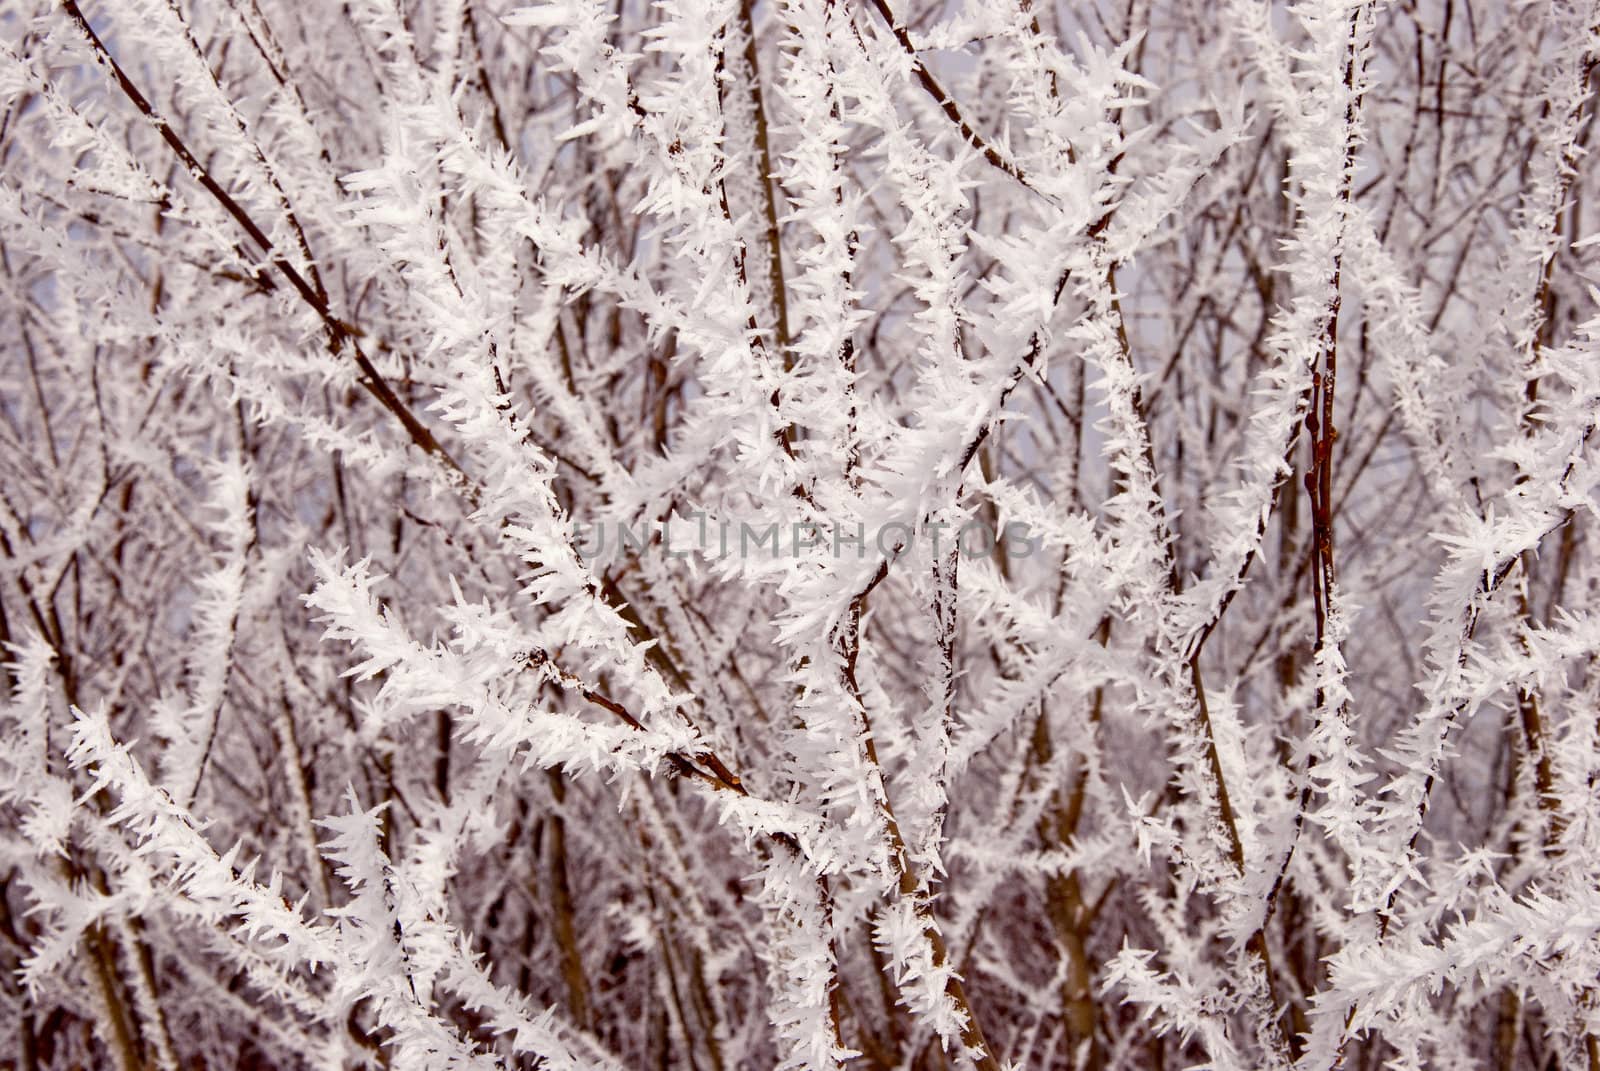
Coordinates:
<point>946,104</point>
<point>784,432</point>
<point>217,622</point>
<point>912,889</point>
<point>1312,328</point>
<point>1327,220</point>
<point>940,714</point>
<point>300,796</point>
<point>1526,319</point>
<point>1319,475</point>
<point>769,192</point>
<point>1535,732</point>
<point>827,302</point>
